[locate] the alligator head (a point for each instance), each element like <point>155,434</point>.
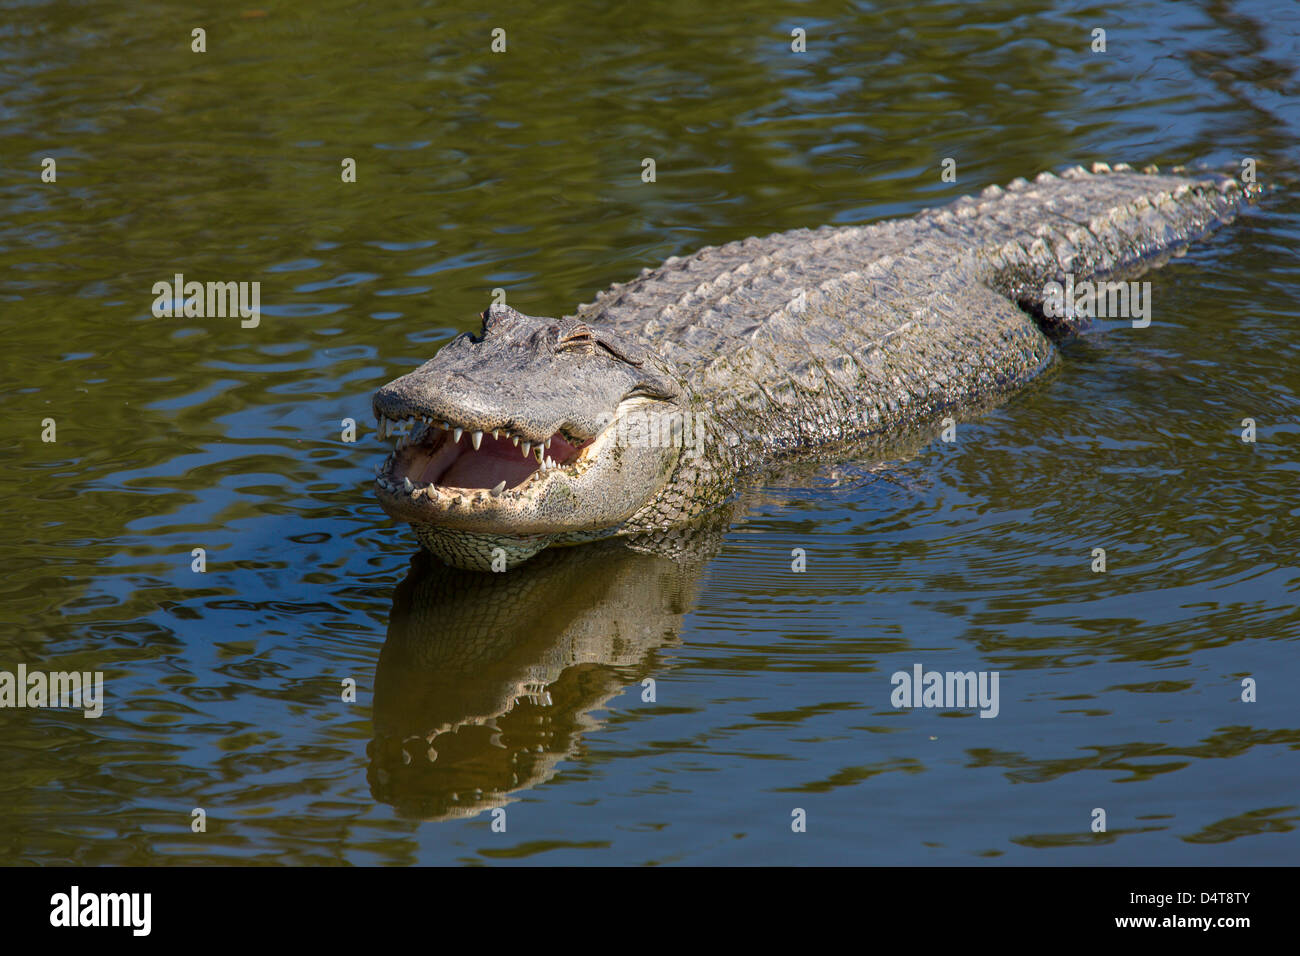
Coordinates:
<point>519,438</point>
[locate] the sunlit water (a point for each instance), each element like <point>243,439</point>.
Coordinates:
<point>526,692</point>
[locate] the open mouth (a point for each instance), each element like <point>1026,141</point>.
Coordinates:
<point>438,457</point>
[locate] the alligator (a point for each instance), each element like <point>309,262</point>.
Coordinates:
<point>649,408</point>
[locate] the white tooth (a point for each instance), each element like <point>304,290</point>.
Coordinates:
<point>458,432</point>
<point>515,438</point>
<point>498,489</point>
<point>538,452</point>
<point>496,433</point>
<point>406,483</point>
<point>549,463</point>
<point>476,439</point>
<point>548,443</point>
<point>527,445</point>
<point>446,426</point>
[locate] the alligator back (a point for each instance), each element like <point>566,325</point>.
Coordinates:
<point>814,336</point>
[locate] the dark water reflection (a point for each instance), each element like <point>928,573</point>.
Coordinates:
<point>522,171</point>
<point>485,685</point>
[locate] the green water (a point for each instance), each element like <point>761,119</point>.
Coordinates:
<point>522,171</point>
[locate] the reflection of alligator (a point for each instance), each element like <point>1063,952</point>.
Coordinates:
<point>543,431</point>
<point>486,682</point>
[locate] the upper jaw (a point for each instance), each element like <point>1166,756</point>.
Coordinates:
<point>526,403</point>
<point>392,408</point>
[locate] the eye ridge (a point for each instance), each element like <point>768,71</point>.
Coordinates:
<point>580,334</point>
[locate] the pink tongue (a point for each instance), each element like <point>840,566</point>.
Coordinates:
<point>487,471</point>
<point>426,468</point>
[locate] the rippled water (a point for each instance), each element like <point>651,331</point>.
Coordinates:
<point>522,171</point>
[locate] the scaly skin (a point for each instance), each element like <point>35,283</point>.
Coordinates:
<point>800,340</point>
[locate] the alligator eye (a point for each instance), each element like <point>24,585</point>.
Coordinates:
<point>645,390</point>
<point>579,337</point>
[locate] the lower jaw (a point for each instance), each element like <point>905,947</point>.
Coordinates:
<point>469,511</point>
<point>478,551</point>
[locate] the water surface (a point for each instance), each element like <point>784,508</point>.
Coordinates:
<point>522,171</point>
